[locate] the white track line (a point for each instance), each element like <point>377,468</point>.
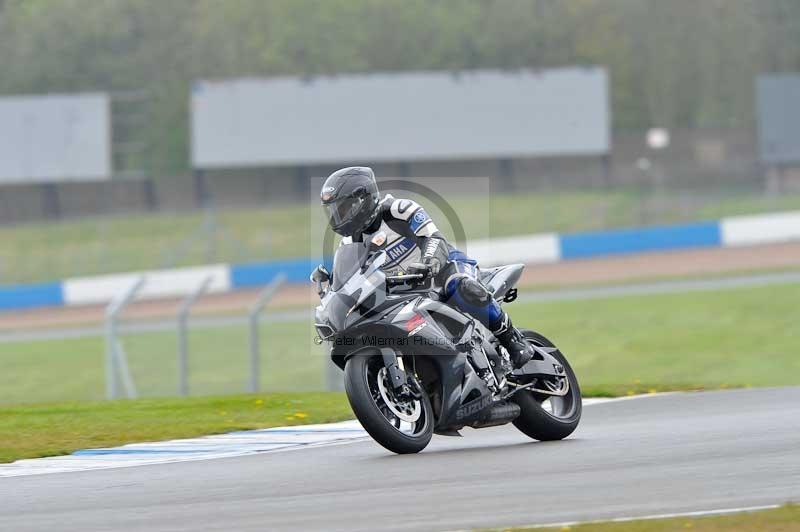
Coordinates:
<point>653,517</point>
<point>238,443</point>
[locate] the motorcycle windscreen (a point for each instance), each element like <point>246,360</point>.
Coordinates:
<point>346,262</point>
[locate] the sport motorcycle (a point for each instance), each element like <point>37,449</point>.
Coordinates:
<point>415,366</point>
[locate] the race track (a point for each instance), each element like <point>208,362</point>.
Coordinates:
<point>658,454</point>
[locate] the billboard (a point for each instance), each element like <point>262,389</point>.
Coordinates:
<point>400,117</point>
<point>779,118</point>
<point>55,138</point>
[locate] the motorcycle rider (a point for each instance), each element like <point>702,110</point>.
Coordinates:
<point>414,244</point>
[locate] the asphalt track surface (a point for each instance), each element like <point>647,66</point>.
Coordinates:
<point>658,454</point>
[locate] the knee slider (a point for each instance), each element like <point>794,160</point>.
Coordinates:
<point>473,292</point>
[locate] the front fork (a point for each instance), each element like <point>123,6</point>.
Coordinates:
<point>397,375</point>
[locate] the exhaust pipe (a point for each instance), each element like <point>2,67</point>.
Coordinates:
<point>498,414</point>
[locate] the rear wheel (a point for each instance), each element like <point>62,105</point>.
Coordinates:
<point>401,425</point>
<point>547,417</point>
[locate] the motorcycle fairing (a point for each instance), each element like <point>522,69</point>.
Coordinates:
<point>501,279</point>
<point>543,364</point>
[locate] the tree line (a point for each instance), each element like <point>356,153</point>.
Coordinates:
<point>673,63</point>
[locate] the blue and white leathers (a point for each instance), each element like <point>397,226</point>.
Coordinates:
<point>412,235</point>
<point>463,289</point>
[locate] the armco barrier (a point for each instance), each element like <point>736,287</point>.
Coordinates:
<point>527,249</point>
<point>160,283</point>
<point>538,248</point>
<point>31,296</point>
<point>643,240</point>
<point>259,274</point>
<point>760,229</point>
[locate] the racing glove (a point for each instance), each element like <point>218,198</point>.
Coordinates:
<point>434,255</point>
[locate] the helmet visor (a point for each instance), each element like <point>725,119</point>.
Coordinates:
<point>343,210</point>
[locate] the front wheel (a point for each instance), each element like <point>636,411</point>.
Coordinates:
<point>548,417</point>
<point>402,426</point>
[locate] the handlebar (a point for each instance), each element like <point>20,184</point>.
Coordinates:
<point>399,279</point>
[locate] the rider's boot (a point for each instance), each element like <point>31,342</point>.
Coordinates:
<point>511,338</point>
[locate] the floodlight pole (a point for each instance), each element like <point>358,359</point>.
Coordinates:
<point>183,335</point>
<point>253,317</point>
<point>114,364</point>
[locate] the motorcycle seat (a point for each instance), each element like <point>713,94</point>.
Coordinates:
<point>501,279</point>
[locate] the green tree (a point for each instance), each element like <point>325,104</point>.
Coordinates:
<point>676,63</point>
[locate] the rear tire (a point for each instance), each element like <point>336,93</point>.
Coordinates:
<point>360,374</point>
<point>537,422</point>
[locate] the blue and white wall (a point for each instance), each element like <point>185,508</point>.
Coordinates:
<point>531,249</point>
<point>160,284</point>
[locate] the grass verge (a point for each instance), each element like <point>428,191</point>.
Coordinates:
<point>696,340</point>
<point>54,429</point>
<point>633,279</point>
<point>73,368</point>
<point>783,519</point>
<point>738,337</point>
<point>623,345</point>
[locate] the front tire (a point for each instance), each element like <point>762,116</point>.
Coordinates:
<point>565,412</point>
<point>402,427</point>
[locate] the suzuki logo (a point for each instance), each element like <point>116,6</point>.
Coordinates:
<point>474,407</point>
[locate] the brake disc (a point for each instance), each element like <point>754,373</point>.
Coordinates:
<point>408,411</point>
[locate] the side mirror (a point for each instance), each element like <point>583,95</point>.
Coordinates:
<point>320,275</point>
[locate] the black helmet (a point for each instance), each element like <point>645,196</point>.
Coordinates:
<point>350,199</point>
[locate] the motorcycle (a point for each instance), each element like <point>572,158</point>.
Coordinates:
<point>415,366</point>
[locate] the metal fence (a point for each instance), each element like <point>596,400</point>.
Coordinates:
<point>118,375</point>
